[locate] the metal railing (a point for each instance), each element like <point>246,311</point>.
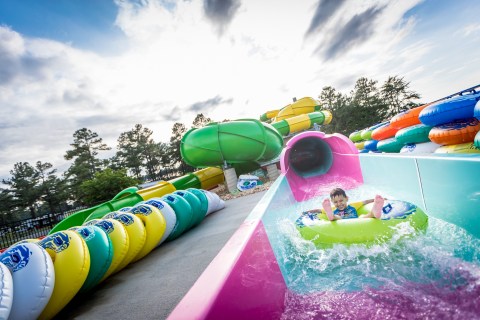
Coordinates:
<point>14,232</point>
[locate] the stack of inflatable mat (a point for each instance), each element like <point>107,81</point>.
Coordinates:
<point>377,138</point>
<point>412,135</point>
<point>454,123</point>
<point>363,139</point>
<point>356,138</point>
<point>39,277</point>
<point>385,135</point>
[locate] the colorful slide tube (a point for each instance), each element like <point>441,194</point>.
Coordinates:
<point>320,160</point>
<point>206,178</point>
<point>301,106</point>
<point>243,143</point>
<point>298,116</point>
<point>252,277</point>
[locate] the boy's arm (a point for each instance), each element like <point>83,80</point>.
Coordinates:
<point>370,201</point>
<point>358,204</point>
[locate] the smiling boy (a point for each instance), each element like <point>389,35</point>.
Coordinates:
<point>345,211</point>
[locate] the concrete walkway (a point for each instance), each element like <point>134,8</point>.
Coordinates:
<point>153,286</point>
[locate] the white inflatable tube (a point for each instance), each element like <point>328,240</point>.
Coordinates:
<point>417,148</point>
<point>168,214</point>
<point>214,202</point>
<point>6,291</point>
<point>33,279</point>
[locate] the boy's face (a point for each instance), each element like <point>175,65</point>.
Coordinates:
<point>340,202</point>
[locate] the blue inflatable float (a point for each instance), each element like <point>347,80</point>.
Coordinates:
<point>456,108</point>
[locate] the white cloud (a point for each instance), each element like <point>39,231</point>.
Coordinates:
<point>472,29</point>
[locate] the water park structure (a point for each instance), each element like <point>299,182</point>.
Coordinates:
<point>267,269</point>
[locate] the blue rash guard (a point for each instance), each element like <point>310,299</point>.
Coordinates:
<point>349,213</point>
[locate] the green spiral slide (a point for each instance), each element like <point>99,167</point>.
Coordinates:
<point>243,143</point>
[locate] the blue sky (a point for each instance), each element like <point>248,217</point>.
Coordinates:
<point>107,65</point>
<point>86,24</point>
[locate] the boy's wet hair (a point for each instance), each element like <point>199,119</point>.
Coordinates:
<point>337,192</point>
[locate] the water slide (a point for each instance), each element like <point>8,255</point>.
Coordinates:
<point>246,143</point>
<point>241,143</point>
<point>206,178</point>
<point>267,271</point>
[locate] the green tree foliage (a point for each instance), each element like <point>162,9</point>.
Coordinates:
<point>131,149</point>
<point>339,105</point>
<point>23,186</point>
<point>175,156</point>
<point>105,185</point>
<point>84,153</point>
<point>6,205</point>
<point>139,153</point>
<point>366,104</point>
<point>396,93</point>
<point>200,121</point>
<point>52,189</point>
<point>164,154</point>
<point>178,130</point>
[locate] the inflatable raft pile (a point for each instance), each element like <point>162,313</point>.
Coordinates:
<point>324,233</point>
<point>450,125</point>
<point>39,277</point>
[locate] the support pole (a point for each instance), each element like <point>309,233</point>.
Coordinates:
<point>272,172</point>
<point>230,179</point>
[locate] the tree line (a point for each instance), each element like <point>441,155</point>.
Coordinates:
<point>367,104</point>
<point>37,189</point>
<point>33,190</point>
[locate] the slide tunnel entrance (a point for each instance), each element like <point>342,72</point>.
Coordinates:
<point>310,156</point>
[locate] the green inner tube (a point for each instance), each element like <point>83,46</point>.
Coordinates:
<point>324,233</point>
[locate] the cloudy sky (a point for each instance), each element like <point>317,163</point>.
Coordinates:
<point>107,65</point>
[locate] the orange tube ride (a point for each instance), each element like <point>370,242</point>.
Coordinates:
<point>460,131</point>
<point>407,118</point>
<point>384,132</point>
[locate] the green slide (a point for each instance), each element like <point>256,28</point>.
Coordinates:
<point>202,179</point>
<point>242,143</point>
<point>78,218</point>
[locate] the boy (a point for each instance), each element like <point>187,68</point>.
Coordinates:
<point>345,211</point>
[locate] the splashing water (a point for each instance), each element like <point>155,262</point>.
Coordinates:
<point>428,275</point>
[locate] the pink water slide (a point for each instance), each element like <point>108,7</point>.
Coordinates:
<point>314,162</point>
<point>244,280</point>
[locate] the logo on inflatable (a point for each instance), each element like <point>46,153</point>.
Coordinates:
<point>107,226</point>
<point>87,233</point>
<point>142,209</point>
<point>398,210</point>
<point>307,218</point>
<point>111,215</point>
<point>57,242</point>
<point>170,198</point>
<point>125,209</point>
<point>155,203</point>
<point>125,219</point>
<point>16,258</point>
<point>410,147</point>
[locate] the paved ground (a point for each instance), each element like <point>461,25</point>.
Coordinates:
<point>153,286</point>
